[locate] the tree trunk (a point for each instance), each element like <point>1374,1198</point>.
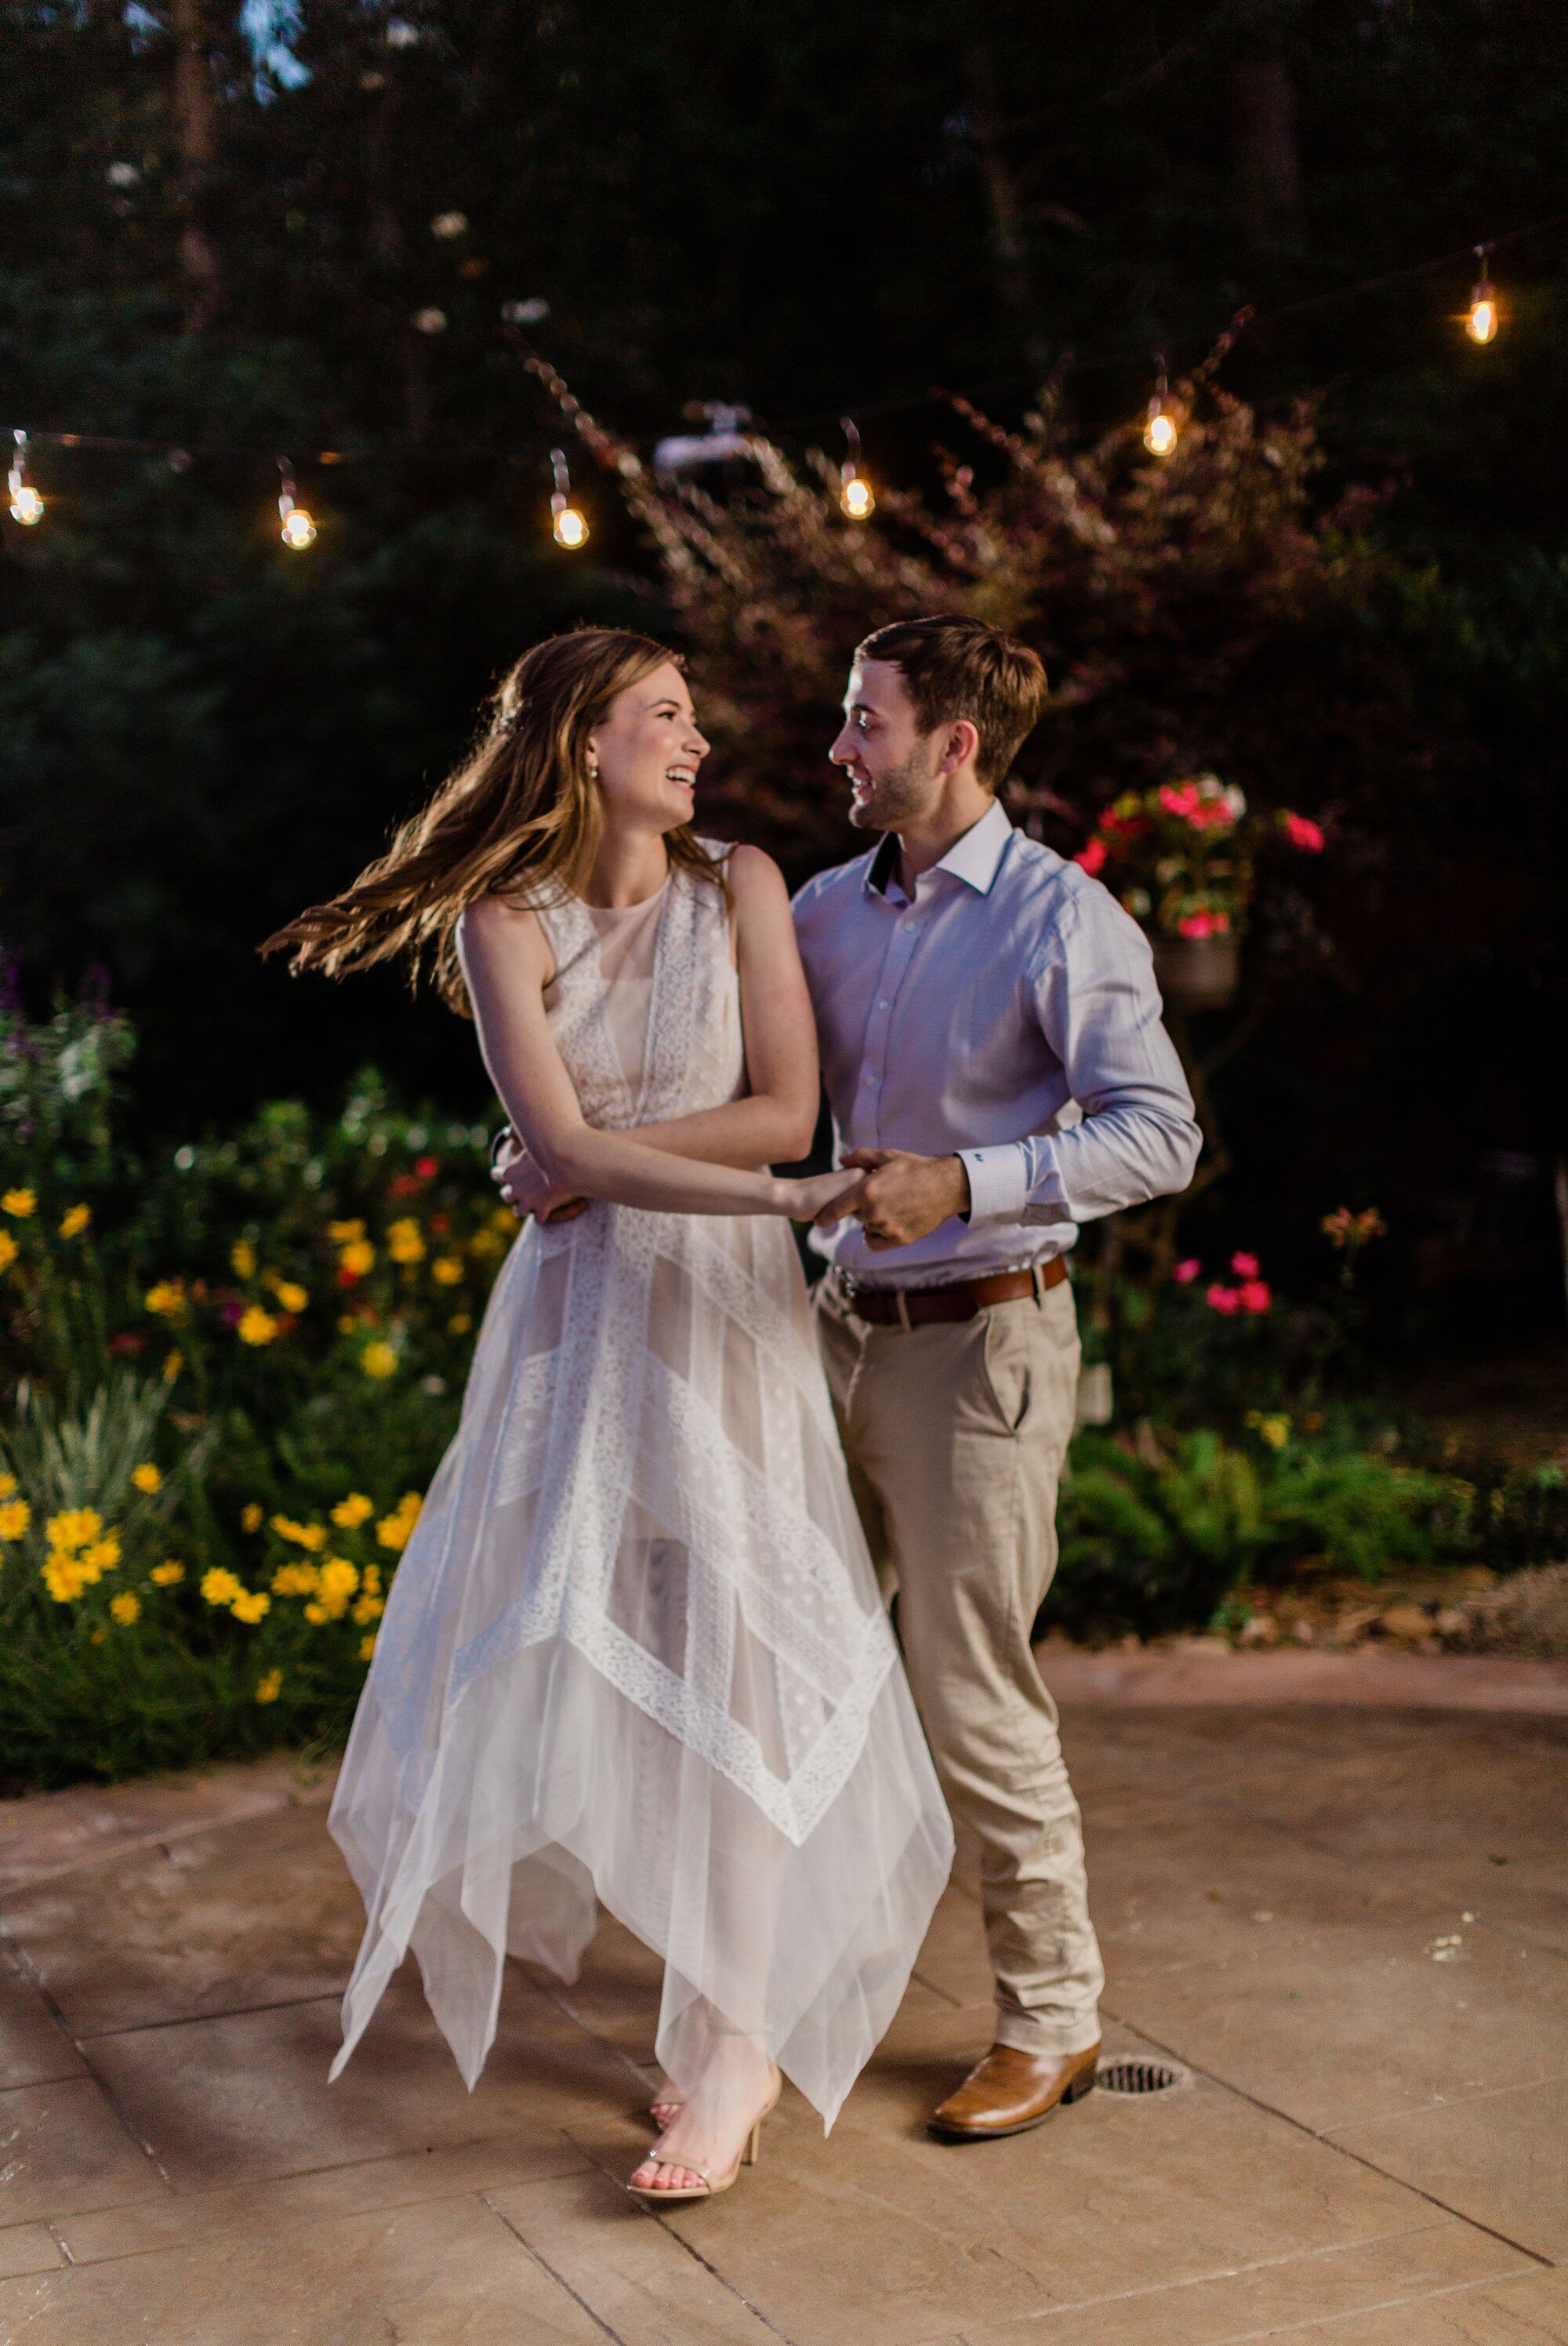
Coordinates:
<point>195,143</point>
<point>1009,246</point>
<point>1267,158</point>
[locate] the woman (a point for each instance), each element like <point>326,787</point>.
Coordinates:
<point>633,1653</point>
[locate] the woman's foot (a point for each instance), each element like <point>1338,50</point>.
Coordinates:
<point>666,2109</point>
<point>715,2152</point>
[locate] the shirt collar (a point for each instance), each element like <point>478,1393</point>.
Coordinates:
<point>973,858</point>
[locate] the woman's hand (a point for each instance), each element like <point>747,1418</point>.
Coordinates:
<point>527,1190</point>
<point>805,1200</point>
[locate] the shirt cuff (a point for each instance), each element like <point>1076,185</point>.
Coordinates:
<point>998,1182</point>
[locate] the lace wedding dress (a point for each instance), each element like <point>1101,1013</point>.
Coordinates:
<point>634,1655</point>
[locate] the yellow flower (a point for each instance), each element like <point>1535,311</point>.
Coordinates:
<point>124,1607</point>
<point>486,1245</point>
<point>242,1255</point>
<point>392,1531</point>
<point>311,1535</point>
<point>173,1363</point>
<point>367,1647</point>
<point>317,1614</point>
<point>353,1510</point>
<point>370,1579</point>
<point>7,1249</point>
<point>250,1605</point>
<point>62,1577</point>
<point>405,1243</point>
<point>1271,1427</point>
<point>75,1220</point>
<point>344,1233</point>
<point>7,1484</point>
<point>146,1478</point>
<point>270,1686</point>
<point>379,1360</point>
<point>295,1580</point>
<point>369,1608</point>
<point>358,1256</point>
<point>255,1326</point>
<point>166,1299</point>
<point>292,1296</point>
<point>167,1575</point>
<point>98,1635</point>
<point>220,1587</point>
<point>74,1527</point>
<point>339,1578</point>
<point>100,1557</point>
<point>459,1324</point>
<point>347,1323</point>
<point>446,1269</point>
<point>504,1221</point>
<point>20,1202</point>
<point>15,1516</point>
<point>250,1516</point>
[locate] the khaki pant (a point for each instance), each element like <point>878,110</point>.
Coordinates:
<point>954,1433</point>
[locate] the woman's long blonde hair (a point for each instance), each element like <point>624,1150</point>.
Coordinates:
<point>520,817</point>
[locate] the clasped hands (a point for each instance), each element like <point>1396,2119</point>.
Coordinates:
<point>900,1198</point>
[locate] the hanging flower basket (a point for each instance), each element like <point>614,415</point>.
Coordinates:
<point>1197,972</point>
<point>1180,856</point>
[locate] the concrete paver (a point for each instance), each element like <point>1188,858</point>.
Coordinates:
<point>1367,2149</point>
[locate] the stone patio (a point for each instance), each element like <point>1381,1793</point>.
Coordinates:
<point>1341,1912</point>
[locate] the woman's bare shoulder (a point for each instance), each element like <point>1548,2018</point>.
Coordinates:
<point>501,926</point>
<point>753,876</point>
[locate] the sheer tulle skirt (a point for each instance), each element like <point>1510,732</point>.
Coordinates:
<point>634,1656</point>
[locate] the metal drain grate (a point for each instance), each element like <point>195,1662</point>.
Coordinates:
<point>1138,2077</point>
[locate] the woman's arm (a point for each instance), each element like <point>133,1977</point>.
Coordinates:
<point>506,964</point>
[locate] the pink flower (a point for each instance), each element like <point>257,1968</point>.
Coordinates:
<point>1186,1272</point>
<point>1093,857</point>
<point>1303,834</point>
<point>1210,814</point>
<point>1223,1299</point>
<point>1244,1265</point>
<point>1183,801</point>
<point>1197,926</point>
<point>427,1167</point>
<point>1255,1295</point>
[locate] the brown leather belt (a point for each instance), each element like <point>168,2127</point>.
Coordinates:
<point>912,1306</point>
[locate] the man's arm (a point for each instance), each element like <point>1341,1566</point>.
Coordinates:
<point>1099,1006</point>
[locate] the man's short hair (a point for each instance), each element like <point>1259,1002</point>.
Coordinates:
<point>961,668</point>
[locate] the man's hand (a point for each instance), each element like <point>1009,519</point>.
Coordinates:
<point>903,1198</point>
<point>526,1189</point>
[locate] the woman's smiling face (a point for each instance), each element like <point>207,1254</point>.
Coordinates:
<point>647,751</point>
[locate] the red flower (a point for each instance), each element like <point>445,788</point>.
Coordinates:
<point>439,1225</point>
<point>1186,1272</point>
<point>127,1343</point>
<point>1184,800</point>
<point>1223,1299</point>
<point>1199,925</point>
<point>347,1277</point>
<point>1255,1295</point>
<point>1093,857</point>
<point>1303,834</point>
<point>1244,1265</point>
<point>402,1185</point>
<point>427,1167</point>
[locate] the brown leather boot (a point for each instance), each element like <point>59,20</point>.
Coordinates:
<point>1009,2092</point>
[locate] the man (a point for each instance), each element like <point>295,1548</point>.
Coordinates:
<point>995,1063</point>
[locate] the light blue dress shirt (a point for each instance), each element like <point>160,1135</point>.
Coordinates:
<point>1008,1014</point>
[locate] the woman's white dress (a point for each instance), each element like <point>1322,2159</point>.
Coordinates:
<point>634,1655</point>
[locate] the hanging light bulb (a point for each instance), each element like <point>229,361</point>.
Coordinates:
<point>298,530</point>
<point>568,526</point>
<point>856,499</point>
<point>1161,430</point>
<point>1480,319</point>
<point>26,505</point>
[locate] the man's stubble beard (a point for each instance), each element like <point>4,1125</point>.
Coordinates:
<point>894,797</point>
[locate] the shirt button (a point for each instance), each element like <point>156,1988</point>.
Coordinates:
<point>881,1005</point>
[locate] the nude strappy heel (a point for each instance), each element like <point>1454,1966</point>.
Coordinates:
<point>653,2195</point>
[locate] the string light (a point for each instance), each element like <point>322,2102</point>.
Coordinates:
<point>1161,431</point>
<point>855,495</point>
<point>568,526</point>
<point>1480,319</point>
<point>298,530</point>
<point>26,505</point>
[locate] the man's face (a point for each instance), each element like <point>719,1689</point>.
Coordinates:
<point>893,768</point>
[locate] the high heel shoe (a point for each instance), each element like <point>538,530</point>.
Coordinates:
<point>656,2194</point>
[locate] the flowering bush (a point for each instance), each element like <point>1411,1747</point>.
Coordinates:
<point>1181,855</point>
<point>234,1373</point>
